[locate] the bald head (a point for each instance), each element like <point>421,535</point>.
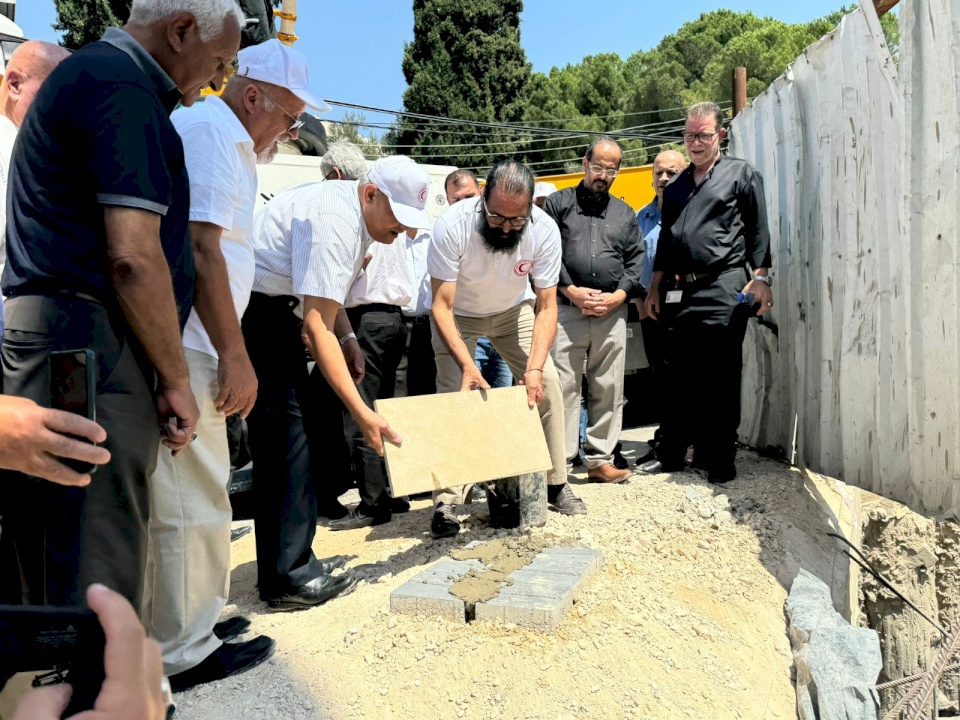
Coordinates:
<point>665,166</point>
<point>29,66</point>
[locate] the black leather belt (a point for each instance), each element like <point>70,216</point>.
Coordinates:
<point>696,277</point>
<point>416,319</point>
<point>68,294</point>
<point>374,307</point>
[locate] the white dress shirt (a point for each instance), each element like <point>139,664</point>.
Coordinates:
<point>385,279</point>
<point>416,250</point>
<point>223,189</point>
<point>310,240</point>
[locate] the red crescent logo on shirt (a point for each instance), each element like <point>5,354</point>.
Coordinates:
<point>422,197</point>
<point>523,267</point>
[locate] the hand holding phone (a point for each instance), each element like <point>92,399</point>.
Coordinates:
<point>33,438</point>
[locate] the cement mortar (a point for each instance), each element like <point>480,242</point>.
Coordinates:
<point>501,556</point>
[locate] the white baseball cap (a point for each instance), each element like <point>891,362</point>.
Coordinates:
<point>406,185</point>
<point>275,63</point>
<point>543,189</point>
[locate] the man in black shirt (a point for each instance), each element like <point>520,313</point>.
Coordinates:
<point>99,258</point>
<point>600,271</point>
<point>714,224</point>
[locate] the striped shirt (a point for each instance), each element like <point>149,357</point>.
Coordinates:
<point>310,240</point>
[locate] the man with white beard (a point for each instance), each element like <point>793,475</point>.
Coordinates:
<point>188,552</point>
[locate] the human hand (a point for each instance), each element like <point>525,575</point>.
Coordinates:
<point>532,380</point>
<point>32,439</point>
<point>652,304</point>
<point>356,363</point>
<point>762,293</point>
<point>641,309</point>
<point>133,667</point>
<point>238,385</point>
<point>178,414</point>
<point>579,295</point>
<point>376,430</point>
<point>473,379</point>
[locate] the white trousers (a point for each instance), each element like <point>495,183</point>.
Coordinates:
<point>188,537</point>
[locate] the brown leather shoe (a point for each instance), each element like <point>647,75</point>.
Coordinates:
<point>607,473</point>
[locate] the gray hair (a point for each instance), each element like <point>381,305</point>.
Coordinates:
<point>702,110</point>
<point>211,15</point>
<point>238,83</point>
<point>602,140</point>
<point>347,157</point>
<point>512,177</point>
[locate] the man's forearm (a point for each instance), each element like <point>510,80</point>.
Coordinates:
<point>342,326</point>
<point>214,300</point>
<point>447,327</point>
<point>544,333</point>
<point>655,282</point>
<point>326,351</point>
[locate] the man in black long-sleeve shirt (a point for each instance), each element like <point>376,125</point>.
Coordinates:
<point>714,224</point>
<point>602,263</point>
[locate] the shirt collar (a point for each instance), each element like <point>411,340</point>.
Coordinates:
<point>164,85</point>
<point>651,209</point>
<point>238,133</point>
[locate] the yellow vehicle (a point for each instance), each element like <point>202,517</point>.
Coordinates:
<point>633,185</point>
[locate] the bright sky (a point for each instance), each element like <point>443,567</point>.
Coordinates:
<point>355,49</point>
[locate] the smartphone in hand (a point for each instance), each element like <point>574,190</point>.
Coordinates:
<point>73,387</point>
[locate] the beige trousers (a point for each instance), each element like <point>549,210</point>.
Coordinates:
<point>188,537</point>
<point>511,334</point>
<point>597,345</point>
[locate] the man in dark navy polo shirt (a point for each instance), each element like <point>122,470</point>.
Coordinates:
<point>99,258</point>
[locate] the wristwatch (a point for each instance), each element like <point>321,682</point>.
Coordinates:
<point>348,336</point>
<point>764,279</point>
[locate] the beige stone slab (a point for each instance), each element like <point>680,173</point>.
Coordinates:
<point>453,439</point>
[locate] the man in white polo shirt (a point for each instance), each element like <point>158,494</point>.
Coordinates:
<point>188,550</point>
<point>484,254</point>
<point>309,243</point>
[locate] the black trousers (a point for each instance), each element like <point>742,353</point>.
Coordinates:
<point>67,538</point>
<point>286,507</point>
<point>702,361</point>
<point>330,464</point>
<point>382,336</point>
<point>417,374</point>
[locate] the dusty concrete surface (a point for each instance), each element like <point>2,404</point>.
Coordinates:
<point>685,620</point>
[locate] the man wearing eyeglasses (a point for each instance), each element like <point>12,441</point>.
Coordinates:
<point>484,254</point>
<point>714,226</point>
<point>188,558</point>
<point>600,272</point>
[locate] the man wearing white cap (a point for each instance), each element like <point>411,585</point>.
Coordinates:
<point>541,191</point>
<point>188,551</point>
<point>309,243</point>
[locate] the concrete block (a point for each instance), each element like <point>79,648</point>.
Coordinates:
<point>569,560</point>
<point>415,598</point>
<point>528,611</point>
<point>538,584</point>
<point>447,571</point>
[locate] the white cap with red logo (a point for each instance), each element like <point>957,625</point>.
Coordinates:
<point>406,185</point>
<point>543,189</point>
<point>275,63</point>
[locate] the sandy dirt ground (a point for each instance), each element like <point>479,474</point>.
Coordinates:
<point>685,620</point>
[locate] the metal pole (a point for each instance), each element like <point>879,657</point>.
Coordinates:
<point>288,17</point>
<point>739,90</point>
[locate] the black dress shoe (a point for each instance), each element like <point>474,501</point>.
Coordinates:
<point>227,660</point>
<point>619,461</point>
<point>231,628</point>
<point>444,523</point>
<point>655,467</point>
<point>361,517</point>
<point>316,592</point>
<point>718,477</point>
<point>400,504</point>
<point>239,532</point>
<point>649,457</point>
<point>332,510</point>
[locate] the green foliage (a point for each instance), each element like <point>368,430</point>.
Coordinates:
<point>84,21</point>
<point>349,130</point>
<point>465,62</point>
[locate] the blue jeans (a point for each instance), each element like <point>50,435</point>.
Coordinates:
<point>493,368</point>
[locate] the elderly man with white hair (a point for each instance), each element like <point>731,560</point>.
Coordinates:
<point>188,562</point>
<point>343,161</point>
<point>98,257</point>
